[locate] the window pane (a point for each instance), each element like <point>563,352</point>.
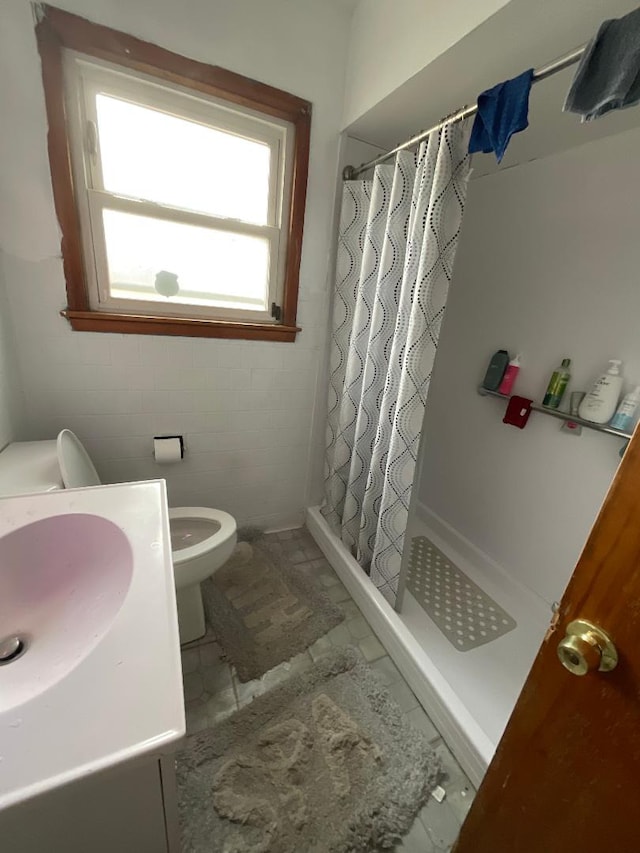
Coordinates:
<point>149,154</point>
<point>160,261</point>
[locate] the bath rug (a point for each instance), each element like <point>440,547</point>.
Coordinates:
<point>324,763</point>
<point>465,614</point>
<point>264,609</point>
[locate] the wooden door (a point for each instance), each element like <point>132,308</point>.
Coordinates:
<point>566,774</point>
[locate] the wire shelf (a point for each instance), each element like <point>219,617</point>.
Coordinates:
<point>562,416</point>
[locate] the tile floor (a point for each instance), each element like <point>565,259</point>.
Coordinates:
<point>212,692</point>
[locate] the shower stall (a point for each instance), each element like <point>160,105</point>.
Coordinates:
<point>460,585</point>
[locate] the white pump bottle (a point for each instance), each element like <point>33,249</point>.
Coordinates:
<point>600,403</point>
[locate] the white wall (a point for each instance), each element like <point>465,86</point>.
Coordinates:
<point>547,265</point>
<point>11,402</point>
<point>357,152</point>
<point>391,40</point>
<point>245,408</point>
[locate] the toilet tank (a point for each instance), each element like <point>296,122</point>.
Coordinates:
<point>29,466</point>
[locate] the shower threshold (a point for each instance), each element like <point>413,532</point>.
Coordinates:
<point>469,694</point>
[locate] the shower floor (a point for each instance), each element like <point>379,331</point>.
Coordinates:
<point>469,694</point>
<point>486,679</point>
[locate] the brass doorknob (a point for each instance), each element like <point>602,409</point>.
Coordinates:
<point>586,648</point>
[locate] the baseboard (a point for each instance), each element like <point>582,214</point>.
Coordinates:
<point>463,736</point>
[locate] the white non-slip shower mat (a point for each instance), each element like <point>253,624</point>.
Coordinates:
<point>465,614</point>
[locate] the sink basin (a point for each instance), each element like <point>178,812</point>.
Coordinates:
<point>86,584</point>
<point>62,581</point>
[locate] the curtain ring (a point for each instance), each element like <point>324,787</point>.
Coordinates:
<point>455,116</point>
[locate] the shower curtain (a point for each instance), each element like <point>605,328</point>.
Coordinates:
<point>397,243</point>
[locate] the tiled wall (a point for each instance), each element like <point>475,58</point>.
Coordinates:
<point>251,413</point>
<point>245,408</point>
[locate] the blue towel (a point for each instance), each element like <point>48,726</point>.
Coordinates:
<point>608,77</point>
<point>502,111</point>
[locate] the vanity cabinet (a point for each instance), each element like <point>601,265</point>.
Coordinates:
<point>128,809</point>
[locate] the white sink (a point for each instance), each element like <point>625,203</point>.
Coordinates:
<point>86,584</point>
<point>63,580</point>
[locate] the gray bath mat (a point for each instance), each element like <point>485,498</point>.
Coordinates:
<point>324,763</point>
<point>264,610</point>
<point>465,614</point>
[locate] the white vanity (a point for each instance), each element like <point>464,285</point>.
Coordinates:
<point>91,704</point>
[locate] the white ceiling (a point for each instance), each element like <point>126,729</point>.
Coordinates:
<point>520,36</point>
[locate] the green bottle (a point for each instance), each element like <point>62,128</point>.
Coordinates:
<point>557,384</point>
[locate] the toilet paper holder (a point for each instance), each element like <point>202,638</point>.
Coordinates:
<point>164,437</point>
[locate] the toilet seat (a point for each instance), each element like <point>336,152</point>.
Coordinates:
<point>76,466</point>
<point>223,529</point>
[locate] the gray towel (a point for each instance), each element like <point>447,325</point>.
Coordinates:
<point>608,77</point>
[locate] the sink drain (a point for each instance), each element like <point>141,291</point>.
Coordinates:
<point>11,648</point>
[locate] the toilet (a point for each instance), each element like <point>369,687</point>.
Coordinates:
<point>202,539</point>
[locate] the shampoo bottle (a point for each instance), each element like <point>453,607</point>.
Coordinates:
<point>601,401</point>
<point>623,418</point>
<point>510,374</point>
<point>557,385</point>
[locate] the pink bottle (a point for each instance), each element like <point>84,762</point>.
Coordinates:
<point>510,374</point>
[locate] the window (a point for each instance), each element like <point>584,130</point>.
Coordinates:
<point>179,187</point>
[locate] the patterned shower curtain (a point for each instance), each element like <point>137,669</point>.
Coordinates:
<point>398,238</point>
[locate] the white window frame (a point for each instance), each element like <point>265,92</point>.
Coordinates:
<point>87,76</point>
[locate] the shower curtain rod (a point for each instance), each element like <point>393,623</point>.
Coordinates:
<point>566,61</point>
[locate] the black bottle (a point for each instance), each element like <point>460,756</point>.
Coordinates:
<point>495,372</point>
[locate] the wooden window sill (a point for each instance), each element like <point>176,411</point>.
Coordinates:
<point>141,324</point>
